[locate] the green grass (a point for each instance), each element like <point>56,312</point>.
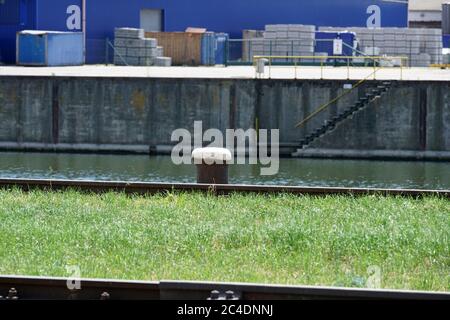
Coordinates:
<point>280,239</point>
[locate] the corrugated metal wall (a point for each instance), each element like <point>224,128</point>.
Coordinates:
<point>15,15</point>
<point>230,16</point>
<point>233,16</point>
<point>9,12</point>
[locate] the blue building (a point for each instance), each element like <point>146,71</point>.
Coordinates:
<point>231,16</point>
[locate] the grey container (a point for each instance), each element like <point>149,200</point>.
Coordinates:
<point>446,18</point>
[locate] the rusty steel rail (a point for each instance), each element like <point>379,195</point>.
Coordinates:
<point>145,188</point>
<point>29,288</point>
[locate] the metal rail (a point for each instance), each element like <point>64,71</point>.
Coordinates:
<point>377,62</point>
<point>27,288</point>
<point>332,101</point>
<point>145,188</point>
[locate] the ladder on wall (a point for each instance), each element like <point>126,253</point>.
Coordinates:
<point>371,94</point>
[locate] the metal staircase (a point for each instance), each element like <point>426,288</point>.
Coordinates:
<point>371,95</point>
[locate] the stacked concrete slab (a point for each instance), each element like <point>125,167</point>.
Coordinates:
<point>133,49</point>
<point>422,46</point>
<point>250,37</point>
<point>284,40</point>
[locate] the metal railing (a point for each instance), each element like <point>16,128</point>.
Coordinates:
<point>331,102</point>
<point>98,51</point>
<point>115,53</point>
<point>376,62</point>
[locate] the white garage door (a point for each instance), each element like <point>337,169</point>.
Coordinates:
<point>151,19</point>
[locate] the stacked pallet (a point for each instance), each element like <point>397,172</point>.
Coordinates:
<point>133,49</point>
<point>422,46</point>
<point>284,40</point>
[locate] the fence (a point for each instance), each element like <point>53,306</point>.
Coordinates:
<point>99,51</point>
<point>242,51</point>
<point>184,48</point>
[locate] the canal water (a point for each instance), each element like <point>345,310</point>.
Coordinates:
<point>296,172</point>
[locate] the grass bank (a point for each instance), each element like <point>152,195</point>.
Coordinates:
<point>335,240</point>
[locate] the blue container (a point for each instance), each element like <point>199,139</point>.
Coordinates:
<point>446,41</point>
<point>221,48</point>
<point>49,48</point>
<point>208,57</point>
<point>324,42</point>
<point>348,38</point>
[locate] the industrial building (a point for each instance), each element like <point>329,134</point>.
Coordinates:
<point>425,14</point>
<point>101,17</point>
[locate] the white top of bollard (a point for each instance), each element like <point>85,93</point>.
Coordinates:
<point>211,155</point>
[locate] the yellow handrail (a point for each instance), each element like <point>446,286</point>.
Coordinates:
<point>322,59</point>
<point>312,115</point>
<point>374,58</point>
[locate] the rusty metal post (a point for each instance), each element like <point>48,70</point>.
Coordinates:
<point>212,165</point>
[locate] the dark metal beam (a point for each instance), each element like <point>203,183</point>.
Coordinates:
<point>26,288</point>
<point>144,188</point>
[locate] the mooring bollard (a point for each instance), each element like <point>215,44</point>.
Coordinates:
<point>212,165</point>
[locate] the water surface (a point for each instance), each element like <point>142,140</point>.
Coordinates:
<point>297,172</point>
